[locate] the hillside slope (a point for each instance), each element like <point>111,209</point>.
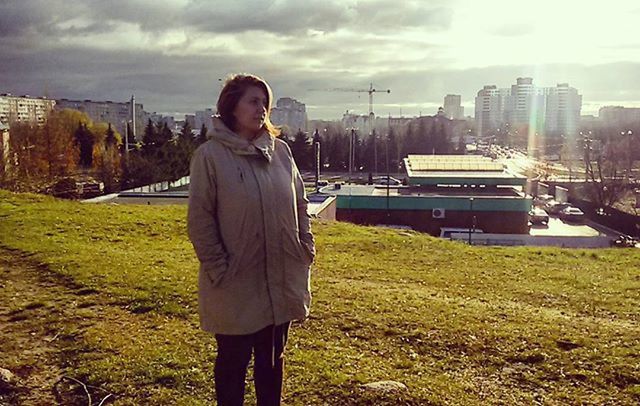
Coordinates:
<point>456,324</point>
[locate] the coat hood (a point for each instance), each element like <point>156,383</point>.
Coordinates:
<point>263,145</point>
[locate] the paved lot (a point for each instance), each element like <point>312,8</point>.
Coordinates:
<point>557,227</point>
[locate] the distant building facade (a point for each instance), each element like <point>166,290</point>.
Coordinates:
<point>545,109</point>
<point>24,109</point>
<point>291,113</point>
<point>618,116</point>
<point>162,120</point>
<point>490,108</point>
<point>204,117</point>
<point>191,120</point>
<point>562,112</point>
<point>118,114</point>
<point>452,107</point>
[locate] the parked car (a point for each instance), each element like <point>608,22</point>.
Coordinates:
<point>624,241</point>
<point>553,207</point>
<point>542,200</point>
<point>572,215</point>
<point>382,180</point>
<point>538,216</point>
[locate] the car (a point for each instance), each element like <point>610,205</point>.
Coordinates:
<point>542,200</point>
<point>572,215</point>
<point>538,216</point>
<point>553,207</point>
<point>382,180</point>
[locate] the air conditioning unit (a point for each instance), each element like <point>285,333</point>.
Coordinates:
<point>437,213</point>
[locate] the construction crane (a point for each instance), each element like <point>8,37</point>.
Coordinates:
<point>370,91</point>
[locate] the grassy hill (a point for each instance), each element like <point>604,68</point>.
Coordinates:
<point>456,324</point>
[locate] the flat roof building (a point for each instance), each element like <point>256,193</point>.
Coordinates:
<point>464,191</point>
<point>24,109</point>
<point>118,114</point>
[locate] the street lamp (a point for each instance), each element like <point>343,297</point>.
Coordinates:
<point>628,134</point>
<point>472,218</point>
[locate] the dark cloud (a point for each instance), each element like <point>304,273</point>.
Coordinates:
<point>19,18</point>
<point>358,45</point>
<point>167,83</point>
<point>289,17</point>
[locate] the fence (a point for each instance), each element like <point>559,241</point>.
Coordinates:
<point>615,219</point>
<point>154,187</point>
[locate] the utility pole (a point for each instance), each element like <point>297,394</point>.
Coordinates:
<point>133,125</point>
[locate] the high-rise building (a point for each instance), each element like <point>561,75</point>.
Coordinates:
<point>490,108</point>
<point>24,109</point>
<point>452,107</point>
<point>291,113</point>
<point>118,114</point>
<point>203,117</point>
<point>562,113</point>
<point>550,109</point>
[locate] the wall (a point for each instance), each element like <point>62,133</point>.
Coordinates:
<point>421,220</point>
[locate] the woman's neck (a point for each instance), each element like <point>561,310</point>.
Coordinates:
<point>248,135</point>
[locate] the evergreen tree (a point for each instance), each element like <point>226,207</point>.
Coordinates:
<point>110,137</point>
<point>107,160</point>
<point>85,140</point>
<point>462,145</point>
<point>301,149</point>
<point>164,134</point>
<point>185,146</point>
<point>202,136</point>
<point>149,139</point>
<point>393,150</point>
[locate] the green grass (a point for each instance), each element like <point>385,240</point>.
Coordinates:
<point>456,324</point>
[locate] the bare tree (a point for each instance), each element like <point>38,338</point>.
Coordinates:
<point>604,168</point>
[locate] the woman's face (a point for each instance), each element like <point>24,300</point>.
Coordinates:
<point>250,112</point>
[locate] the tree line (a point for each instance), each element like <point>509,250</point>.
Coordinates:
<point>69,146</point>
<point>371,152</point>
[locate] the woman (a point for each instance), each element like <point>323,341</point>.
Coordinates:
<point>249,226</point>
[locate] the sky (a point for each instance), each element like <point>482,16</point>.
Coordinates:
<point>174,54</point>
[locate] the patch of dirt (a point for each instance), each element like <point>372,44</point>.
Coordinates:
<point>39,314</point>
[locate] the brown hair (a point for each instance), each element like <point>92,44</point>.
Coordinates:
<point>234,88</point>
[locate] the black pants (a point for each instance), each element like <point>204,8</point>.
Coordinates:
<point>234,354</point>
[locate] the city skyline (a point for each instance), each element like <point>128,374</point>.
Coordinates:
<point>172,55</point>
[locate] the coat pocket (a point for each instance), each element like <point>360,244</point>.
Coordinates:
<point>215,272</point>
<point>220,274</point>
<point>294,247</point>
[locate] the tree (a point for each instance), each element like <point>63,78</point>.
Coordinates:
<point>150,139</point>
<point>85,140</point>
<point>461,149</point>
<point>603,169</point>
<point>185,146</point>
<point>202,135</point>
<point>107,157</point>
<point>59,133</point>
<point>301,150</point>
<point>393,150</point>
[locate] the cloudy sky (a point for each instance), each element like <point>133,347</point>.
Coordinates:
<point>173,53</point>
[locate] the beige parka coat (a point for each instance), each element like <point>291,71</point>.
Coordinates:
<point>249,225</point>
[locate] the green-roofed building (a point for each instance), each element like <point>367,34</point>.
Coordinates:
<point>462,191</point>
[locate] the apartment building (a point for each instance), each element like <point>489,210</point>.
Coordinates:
<point>544,109</point>
<point>24,109</point>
